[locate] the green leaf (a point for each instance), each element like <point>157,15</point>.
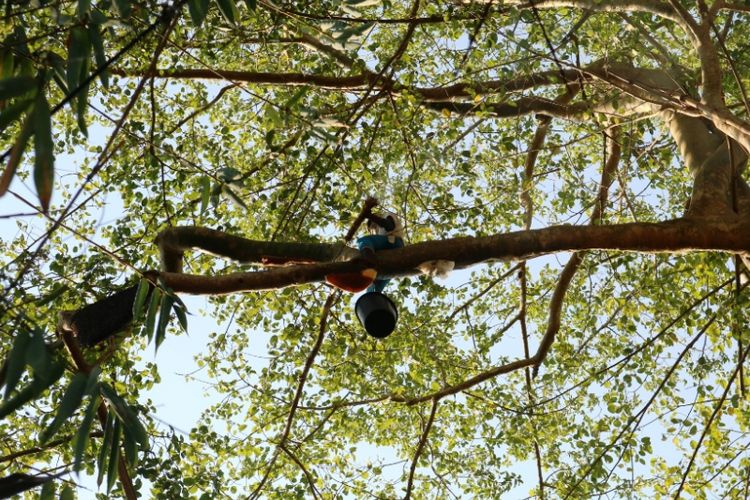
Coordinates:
<point>99,56</point>
<point>81,103</point>
<point>228,10</point>
<point>57,64</point>
<point>7,63</point>
<point>101,460</point>
<point>181,312</point>
<point>92,383</point>
<point>123,8</point>
<point>44,159</point>
<point>13,112</point>
<point>38,356</point>
<point>15,154</point>
<point>252,4</point>
<point>229,192</point>
<point>114,456</point>
<point>141,295</point>
<point>198,10</point>
<point>161,329</point>
<point>79,56</point>
<point>126,414</point>
<point>82,437</point>
<point>16,86</point>
<point>56,292</point>
<point>16,361</point>
<point>84,6</point>
<point>131,447</point>
<point>153,308</point>
<point>48,491</point>
<point>69,404</point>
<point>67,493</point>
<point>28,393</point>
<point>205,193</point>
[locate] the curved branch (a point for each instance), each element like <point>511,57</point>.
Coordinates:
<point>420,447</point>
<point>173,243</point>
<point>298,394</point>
<point>571,267</point>
<point>656,8</point>
<point>676,236</point>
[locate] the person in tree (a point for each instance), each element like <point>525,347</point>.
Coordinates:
<point>386,233</point>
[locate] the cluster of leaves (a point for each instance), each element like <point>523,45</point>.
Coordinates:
<point>293,162</point>
<point>122,428</point>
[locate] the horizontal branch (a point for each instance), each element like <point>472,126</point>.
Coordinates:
<point>654,7</point>
<point>677,236</point>
<point>365,81</point>
<point>173,243</point>
<point>521,107</point>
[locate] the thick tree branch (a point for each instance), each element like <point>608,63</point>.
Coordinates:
<point>173,243</point>
<point>361,81</point>
<point>676,236</point>
<point>656,8</point>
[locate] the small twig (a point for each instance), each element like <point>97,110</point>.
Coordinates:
<point>707,427</point>
<point>310,479</point>
<point>420,447</point>
<point>298,394</point>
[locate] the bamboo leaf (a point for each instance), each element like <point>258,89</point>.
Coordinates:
<point>28,393</point>
<point>82,437</point>
<point>161,329</point>
<point>228,10</point>
<point>181,313</point>
<point>48,491</point>
<point>69,404</point>
<point>141,295</point>
<point>78,53</point>
<point>84,6</point>
<point>15,154</point>
<point>123,8</point>
<point>205,193</point>
<point>92,383</point>
<point>44,160</point>
<point>233,196</point>
<point>126,414</point>
<point>79,56</point>
<point>198,10</point>
<point>101,460</point>
<point>56,292</point>
<point>16,86</point>
<point>98,45</point>
<point>67,493</point>
<point>16,361</point>
<point>13,112</point>
<point>114,455</point>
<point>153,308</point>
<point>37,356</point>
<point>32,390</point>
<point>131,447</point>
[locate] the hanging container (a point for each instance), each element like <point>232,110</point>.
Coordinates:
<point>377,314</point>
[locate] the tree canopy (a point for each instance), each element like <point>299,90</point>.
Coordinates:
<point>582,164</point>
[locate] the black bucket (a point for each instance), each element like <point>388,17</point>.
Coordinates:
<point>377,313</point>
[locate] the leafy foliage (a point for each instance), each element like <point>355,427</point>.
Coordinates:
<point>274,121</point>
